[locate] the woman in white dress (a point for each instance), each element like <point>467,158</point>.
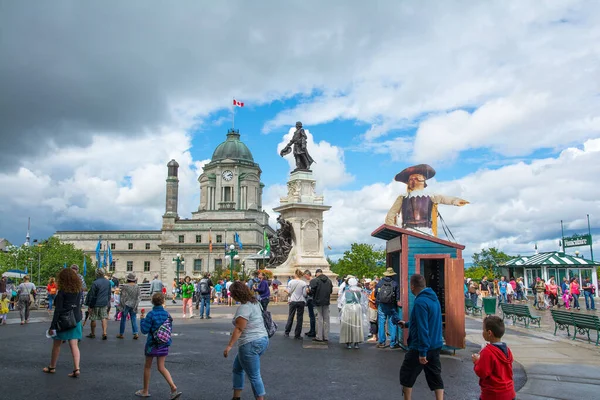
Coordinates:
<point>352,316</point>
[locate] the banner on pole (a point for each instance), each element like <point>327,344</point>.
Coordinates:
<point>577,240</point>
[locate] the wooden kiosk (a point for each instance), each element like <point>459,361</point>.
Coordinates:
<point>442,265</point>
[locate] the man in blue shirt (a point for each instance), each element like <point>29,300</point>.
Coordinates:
<point>424,340</point>
<point>263,290</point>
<point>502,288</point>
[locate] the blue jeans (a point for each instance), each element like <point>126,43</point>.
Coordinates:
<point>589,295</point>
<point>247,361</point>
<point>387,311</point>
<point>502,298</point>
<point>575,300</point>
<point>50,301</point>
<point>133,315</point>
<point>205,301</point>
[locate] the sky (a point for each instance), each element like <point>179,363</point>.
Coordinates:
<point>502,98</point>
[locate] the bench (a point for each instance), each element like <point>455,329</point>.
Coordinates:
<point>581,323</point>
<point>584,323</point>
<point>519,312</point>
<point>562,321</point>
<point>471,307</point>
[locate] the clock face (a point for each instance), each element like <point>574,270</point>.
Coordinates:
<point>227,175</point>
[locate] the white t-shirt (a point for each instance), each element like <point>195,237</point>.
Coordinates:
<point>255,327</point>
<point>228,285</point>
<point>297,290</point>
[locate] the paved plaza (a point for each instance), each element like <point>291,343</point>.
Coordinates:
<point>546,367</point>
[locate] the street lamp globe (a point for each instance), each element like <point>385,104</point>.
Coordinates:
<point>236,257</point>
<point>178,255</point>
<point>231,247</point>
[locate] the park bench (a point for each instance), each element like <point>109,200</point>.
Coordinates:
<point>584,323</point>
<point>562,321</point>
<point>519,312</point>
<point>471,307</point>
<point>581,323</point>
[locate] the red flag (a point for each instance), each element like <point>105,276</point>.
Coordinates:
<point>238,103</point>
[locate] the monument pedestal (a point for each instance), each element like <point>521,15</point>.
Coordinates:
<point>304,209</point>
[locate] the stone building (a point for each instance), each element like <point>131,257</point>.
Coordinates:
<point>230,202</point>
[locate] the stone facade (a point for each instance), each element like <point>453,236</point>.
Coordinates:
<point>230,202</point>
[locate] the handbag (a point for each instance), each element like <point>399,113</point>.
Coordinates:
<point>66,321</point>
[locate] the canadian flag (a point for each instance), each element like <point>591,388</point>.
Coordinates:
<point>238,103</point>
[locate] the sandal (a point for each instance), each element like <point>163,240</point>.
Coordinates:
<point>140,393</point>
<point>49,370</point>
<point>91,336</point>
<point>75,373</point>
<point>120,337</point>
<point>136,336</point>
<point>175,394</point>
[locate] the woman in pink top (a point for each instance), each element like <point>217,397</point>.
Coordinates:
<point>574,289</point>
<point>552,292</point>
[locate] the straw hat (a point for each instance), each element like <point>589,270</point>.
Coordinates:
<point>389,272</point>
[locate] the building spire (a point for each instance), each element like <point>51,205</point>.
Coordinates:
<point>28,237</point>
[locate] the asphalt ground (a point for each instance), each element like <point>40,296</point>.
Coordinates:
<point>291,369</point>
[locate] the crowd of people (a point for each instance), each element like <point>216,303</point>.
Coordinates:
<point>546,294</point>
<point>364,305</point>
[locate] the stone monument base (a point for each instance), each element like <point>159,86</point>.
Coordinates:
<point>304,209</point>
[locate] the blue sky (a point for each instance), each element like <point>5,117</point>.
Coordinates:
<point>499,98</point>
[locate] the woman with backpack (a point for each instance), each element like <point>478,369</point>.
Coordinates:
<point>158,325</point>
<point>252,339</point>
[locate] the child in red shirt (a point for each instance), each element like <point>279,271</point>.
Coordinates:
<point>493,365</point>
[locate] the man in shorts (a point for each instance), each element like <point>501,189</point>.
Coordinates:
<point>424,340</point>
<point>97,300</point>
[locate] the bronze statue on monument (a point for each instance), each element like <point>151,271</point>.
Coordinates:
<point>303,159</point>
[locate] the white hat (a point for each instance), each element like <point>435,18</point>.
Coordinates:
<point>468,280</point>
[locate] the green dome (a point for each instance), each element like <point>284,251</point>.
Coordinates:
<point>232,148</point>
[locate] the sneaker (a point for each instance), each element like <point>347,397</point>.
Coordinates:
<point>394,346</point>
<point>298,337</point>
<point>317,340</point>
<point>381,345</point>
<point>286,334</point>
<point>202,317</point>
<point>310,334</point>
<point>356,346</point>
<point>348,346</point>
<point>183,315</point>
<point>208,317</point>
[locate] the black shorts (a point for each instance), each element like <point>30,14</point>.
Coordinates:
<point>411,368</point>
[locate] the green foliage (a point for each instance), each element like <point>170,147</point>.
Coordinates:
<point>362,260</point>
<point>52,254</point>
<point>487,263</point>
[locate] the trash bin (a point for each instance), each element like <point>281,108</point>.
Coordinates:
<point>489,305</point>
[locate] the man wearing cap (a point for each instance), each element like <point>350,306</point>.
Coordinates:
<point>418,208</point>
<point>75,268</point>
<point>97,300</point>
<point>387,296</point>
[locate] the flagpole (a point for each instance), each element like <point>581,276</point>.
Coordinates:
<point>233,115</point>
<point>562,232</point>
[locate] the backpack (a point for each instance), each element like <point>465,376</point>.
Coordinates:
<point>386,293</point>
<point>204,289</point>
<point>270,325</point>
<point>163,334</point>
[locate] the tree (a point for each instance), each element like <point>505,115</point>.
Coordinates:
<point>52,255</point>
<point>362,260</point>
<point>488,261</point>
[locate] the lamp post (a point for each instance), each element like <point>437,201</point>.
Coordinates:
<point>39,247</point>
<point>244,269</point>
<point>232,254</point>
<point>179,260</point>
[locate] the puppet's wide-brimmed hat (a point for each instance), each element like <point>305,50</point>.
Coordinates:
<point>421,169</point>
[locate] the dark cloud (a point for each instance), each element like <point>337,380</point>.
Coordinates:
<point>71,69</point>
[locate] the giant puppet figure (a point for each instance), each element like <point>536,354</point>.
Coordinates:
<point>417,208</point>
